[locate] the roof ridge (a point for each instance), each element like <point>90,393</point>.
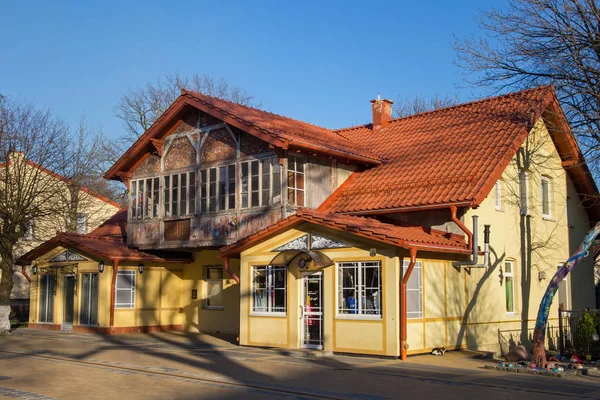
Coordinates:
<point>194,93</point>
<point>455,106</point>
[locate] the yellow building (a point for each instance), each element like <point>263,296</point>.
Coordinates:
<point>90,211</point>
<point>354,241</point>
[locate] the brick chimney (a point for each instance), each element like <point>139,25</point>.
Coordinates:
<point>382,112</point>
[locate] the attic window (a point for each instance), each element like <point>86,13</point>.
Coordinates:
<point>296,180</point>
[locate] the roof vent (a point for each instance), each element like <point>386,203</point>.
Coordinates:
<point>382,112</point>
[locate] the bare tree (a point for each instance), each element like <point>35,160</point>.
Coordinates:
<point>535,42</point>
<point>139,108</point>
<point>417,104</point>
<point>26,193</point>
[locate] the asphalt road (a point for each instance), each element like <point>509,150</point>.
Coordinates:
<point>53,365</point>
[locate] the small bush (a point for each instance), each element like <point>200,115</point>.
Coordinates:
<point>586,329</point>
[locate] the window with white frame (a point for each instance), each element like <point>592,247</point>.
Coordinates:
<point>359,288</point>
<point>524,192</point>
<point>29,233</point>
<point>180,194</point>
<point>261,182</point>
<point>82,223</point>
<point>498,195</point>
<point>217,188</point>
<point>214,288</point>
<point>414,289</point>
<point>546,197</point>
<point>269,289</point>
<point>144,198</point>
<point>295,182</point>
<point>509,286</point>
<point>125,289</point>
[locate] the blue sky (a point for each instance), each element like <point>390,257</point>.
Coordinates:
<point>313,60</point>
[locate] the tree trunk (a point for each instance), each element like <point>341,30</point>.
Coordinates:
<point>6,285</point>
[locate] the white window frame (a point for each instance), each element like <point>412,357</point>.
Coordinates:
<point>207,287</point>
<point>359,289</point>
<point>511,275</point>
<point>498,195</point>
<point>29,233</point>
<point>416,274</point>
<point>295,172</point>
<point>270,290</point>
<point>546,197</point>
<point>524,192</point>
<point>81,226</point>
<point>274,181</point>
<point>144,204</point>
<point>130,289</point>
<point>222,175</point>
<point>189,198</point>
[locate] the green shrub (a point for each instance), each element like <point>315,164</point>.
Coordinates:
<point>586,328</point>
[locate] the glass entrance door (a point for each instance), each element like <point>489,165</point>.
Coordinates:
<point>312,310</point>
<point>88,309</point>
<point>68,301</point>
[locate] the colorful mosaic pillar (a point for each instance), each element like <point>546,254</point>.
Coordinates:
<point>539,334</point>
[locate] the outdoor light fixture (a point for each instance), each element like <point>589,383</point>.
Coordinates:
<point>302,262</point>
<point>34,269</point>
<point>541,275</point>
<point>101,266</point>
<point>373,252</point>
<point>141,268</point>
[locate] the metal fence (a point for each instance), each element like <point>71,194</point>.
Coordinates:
<point>509,339</point>
<point>568,320</point>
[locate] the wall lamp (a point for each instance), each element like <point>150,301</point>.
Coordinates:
<point>101,266</point>
<point>141,268</point>
<point>34,269</point>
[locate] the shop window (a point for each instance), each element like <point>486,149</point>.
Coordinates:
<point>125,289</point>
<point>269,289</point>
<point>414,290</point>
<point>359,288</point>
<point>88,311</point>
<point>295,184</point>
<point>509,286</point>
<point>214,288</point>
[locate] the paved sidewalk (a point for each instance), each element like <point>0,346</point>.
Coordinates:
<point>39,364</point>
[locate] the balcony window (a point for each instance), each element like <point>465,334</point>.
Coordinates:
<point>180,194</point>
<point>261,182</point>
<point>217,191</point>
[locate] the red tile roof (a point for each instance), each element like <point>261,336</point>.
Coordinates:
<point>370,228</point>
<point>107,242</point>
<point>115,226</point>
<point>448,156</point>
<point>281,132</point>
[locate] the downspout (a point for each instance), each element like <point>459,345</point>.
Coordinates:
<point>112,295</point>
<point>473,263</point>
<point>229,271</point>
<point>462,226</point>
<point>403,333</point>
<point>24,272</point>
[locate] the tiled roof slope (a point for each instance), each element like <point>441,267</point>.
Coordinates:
<point>115,226</point>
<point>370,228</point>
<point>281,132</point>
<point>447,156</point>
<point>297,133</point>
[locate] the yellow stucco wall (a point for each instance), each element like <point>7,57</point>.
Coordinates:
<point>342,333</point>
<point>162,295</point>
